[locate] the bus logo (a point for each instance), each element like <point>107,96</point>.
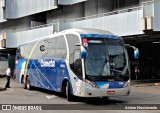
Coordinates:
<point>42,47</point>
<point>49,63</point>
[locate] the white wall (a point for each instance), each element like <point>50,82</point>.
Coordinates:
<point>20,8</point>
<point>122,24</point>
<point>18,38</point>
<point>156,20</point>
<point>16,24</point>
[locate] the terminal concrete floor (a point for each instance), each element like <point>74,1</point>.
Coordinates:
<point>146,94</point>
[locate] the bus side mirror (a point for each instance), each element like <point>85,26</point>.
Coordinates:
<point>136,50</point>
<point>136,53</point>
<point>83,52</point>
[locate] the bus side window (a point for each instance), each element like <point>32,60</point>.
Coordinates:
<point>19,53</point>
<point>77,63</point>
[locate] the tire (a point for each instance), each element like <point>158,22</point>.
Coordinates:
<point>28,85</point>
<point>105,98</point>
<point>69,96</point>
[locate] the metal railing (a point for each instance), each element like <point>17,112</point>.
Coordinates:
<point>56,22</point>
<point>104,14</point>
<point>35,27</point>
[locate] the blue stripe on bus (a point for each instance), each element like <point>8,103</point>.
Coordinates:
<point>46,76</point>
<point>110,85</point>
<point>99,36</point>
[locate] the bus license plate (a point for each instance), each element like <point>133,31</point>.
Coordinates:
<point>110,92</point>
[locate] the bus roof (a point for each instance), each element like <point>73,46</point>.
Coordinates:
<point>88,31</point>
<point>81,31</point>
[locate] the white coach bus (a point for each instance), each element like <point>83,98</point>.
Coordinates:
<point>79,62</point>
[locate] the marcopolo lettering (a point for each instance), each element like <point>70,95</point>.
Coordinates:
<point>49,63</point>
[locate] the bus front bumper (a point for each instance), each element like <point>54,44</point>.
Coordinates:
<point>102,92</point>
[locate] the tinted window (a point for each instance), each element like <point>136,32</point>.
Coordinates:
<point>77,65</point>
<point>40,49</point>
<point>56,47</point>
<point>105,56</point>
<point>20,52</point>
<point>27,50</point>
<point>72,40</point>
<point>74,54</point>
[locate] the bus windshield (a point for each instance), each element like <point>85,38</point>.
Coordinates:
<point>105,57</point>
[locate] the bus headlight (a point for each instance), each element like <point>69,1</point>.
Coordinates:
<point>127,83</point>
<point>91,83</point>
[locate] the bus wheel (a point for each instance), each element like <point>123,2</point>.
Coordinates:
<point>68,92</point>
<point>29,87</point>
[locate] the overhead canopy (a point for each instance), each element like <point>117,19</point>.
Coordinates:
<point>69,2</point>
<point>4,51</point>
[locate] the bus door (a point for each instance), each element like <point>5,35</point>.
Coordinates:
<point>77,65</point>
<point>75,62</point>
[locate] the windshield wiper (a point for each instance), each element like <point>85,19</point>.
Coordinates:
<point>96,58</point>
<point>116,70</point>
